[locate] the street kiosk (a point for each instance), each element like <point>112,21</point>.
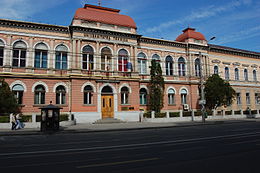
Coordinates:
<point>50,118</point>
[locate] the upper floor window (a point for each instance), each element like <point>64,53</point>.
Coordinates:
<point>88,58</point>
<point>197,67</point>
<point>106,59</point>
<point>246,75</point>
<point>39,94</point>
<point>88,94</point>
<point>143,96</point>
<point>60,95</point>
<point>169,66</point>
<point>19,54</point>
<point>124,95</point>
<point>123,60</point>
<point>182,66</point>
<point>2,45</point>
<point>142,63</point>
<point>41,56</point>
<point>226,73</point>
<point>156,57</point>
<point>18,93</point>
<point>215,69</point>
<point>171,94</point>
<point>61,60</point>
<point>236,74</point>
<point>254,75</point>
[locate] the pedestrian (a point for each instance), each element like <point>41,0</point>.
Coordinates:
<point>13,121</point>
<point>18,122</point>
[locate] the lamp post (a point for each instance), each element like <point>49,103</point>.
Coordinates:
<point>202,101</point>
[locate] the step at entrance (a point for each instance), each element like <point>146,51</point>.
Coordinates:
<point>108,121</point>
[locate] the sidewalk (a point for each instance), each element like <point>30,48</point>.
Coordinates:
<point>87,128</point>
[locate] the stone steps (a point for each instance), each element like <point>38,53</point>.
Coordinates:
<point>108,121</point>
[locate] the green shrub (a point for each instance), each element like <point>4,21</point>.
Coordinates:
<point>237,112</point>
<point>174,114</point>
<point>228,113</point>
<point>160,115</point>
<point>186,113</point>
<point>4,119</point>
<point>64,117</point>
<point>148,115</point>
<point>254,112</point>
<point>209,112</point>
<point>26,118</point>
<point>198,113</point>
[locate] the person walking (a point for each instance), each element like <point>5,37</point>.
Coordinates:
<point>13,121</point>
<point>18,122</point>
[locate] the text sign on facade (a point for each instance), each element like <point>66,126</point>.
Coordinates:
<point>106,37</point>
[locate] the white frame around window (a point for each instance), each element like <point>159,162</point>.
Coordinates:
<point>143,97</point>
<point>197,68</point>
<point>169,65</point>
<point>142,63</point>
<point>184,94</point>
<point>246,74</point>
<point>181,67</point>
<point>215,70</point>
<point>107,60</point>
<point>88,95</point>
<point>124,96</point>
<point>257,98</point>
<point>2,57</point>
<point>61,95</point>
<point>226,73</point>
<point>41,58</point>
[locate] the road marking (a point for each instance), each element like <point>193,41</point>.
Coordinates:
<point>116,163</point>
<point>130,145</point>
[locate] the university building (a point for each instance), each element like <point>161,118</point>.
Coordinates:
<point>98,67</point>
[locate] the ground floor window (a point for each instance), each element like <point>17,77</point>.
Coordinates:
<point>88,90</point>
<point>18,93</point>
<point>143,96</point>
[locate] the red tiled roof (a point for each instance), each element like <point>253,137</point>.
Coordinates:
<point>190,33</point>
<point>104,15</point>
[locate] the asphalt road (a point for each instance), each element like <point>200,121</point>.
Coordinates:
<point>208,148</point>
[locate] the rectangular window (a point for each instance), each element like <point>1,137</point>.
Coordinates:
<point>248,98</point>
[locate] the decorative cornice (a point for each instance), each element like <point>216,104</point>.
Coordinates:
<point>33,26</point>
<point>236,63</point>
<point>162,42</point>
<point>216,61</point>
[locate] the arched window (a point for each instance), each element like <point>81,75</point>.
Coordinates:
<point>41,56</point>
<point>182,66</point>
<point>60,95</point>
<point>169,66</point>
<point>226,73</point>
<point>88,58</point>
<point>88,94</point>
<point>18,92</point>
<point>2,45</point>
<point>122,60</point>
<point>197,67</point>
<point>61,61</point>
<point>254,75</point>
<point>236,74</point>
<point>143,96</point>
<point>184,96</point>
<point>124,95</point>
<point>39,94</point>
<point>142,63</point>
<point>171,94</point>
<point>156,57</point>
<point>106,59</point>
<point>19,54</point>
<point>215,69</point>
<point>246,75</point>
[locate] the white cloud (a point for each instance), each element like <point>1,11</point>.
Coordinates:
<point>202,13</point>
<point>241,35</point>
<point>24,9</point>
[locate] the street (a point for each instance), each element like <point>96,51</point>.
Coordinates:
<point>205,148</point>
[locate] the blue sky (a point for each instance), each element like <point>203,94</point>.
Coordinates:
<point>234,23</point>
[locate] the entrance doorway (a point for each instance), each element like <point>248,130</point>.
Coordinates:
<point>107,102</point>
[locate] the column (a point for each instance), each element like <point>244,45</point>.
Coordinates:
<point>8,54</point>
<point>97,58</point>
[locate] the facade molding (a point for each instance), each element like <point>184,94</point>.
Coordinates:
<point>40,83</point>
<point>18,82</point>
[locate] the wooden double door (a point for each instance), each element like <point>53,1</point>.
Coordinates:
<point>107,106</point>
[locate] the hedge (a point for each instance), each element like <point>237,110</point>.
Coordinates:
<point>174,114</point>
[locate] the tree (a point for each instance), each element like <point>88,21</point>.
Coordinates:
<point>8,103</point>
<point>218,92</point>
<point>156,87</point>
